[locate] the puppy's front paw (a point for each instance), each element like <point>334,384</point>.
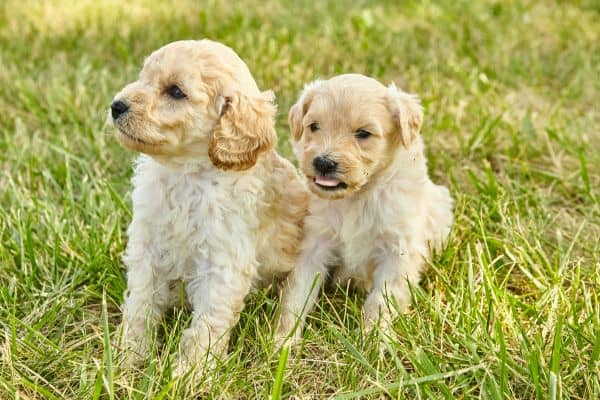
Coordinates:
<point>133,347</point>
<point>193,353</point>
<point>377,316</point>
<point>288,332</point>
<point>131,358</point>
<point>282,338</point>
<point>181,366</point>
<point>192,367</point>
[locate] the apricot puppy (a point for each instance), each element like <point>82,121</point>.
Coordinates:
<point>374,213</point>
<point>214,206</point>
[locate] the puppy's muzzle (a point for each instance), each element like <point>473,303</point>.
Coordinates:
<point>326,169</point>
<point>325,165</point>
<point>118,108</point>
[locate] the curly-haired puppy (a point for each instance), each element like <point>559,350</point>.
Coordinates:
<point>214,206</point>
<point>374,212</point>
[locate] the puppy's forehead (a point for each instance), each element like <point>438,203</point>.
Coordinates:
<point>204,59</point>
<point>349,104</point>
<point>172,59</point>
<point>158,67</point>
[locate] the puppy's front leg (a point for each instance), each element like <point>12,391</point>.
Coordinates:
<point>302,286</point>
<point>391,283</point>
<point>217,297</point>
<point>146,300</point>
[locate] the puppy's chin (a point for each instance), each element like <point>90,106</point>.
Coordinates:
<point>330,192</point>
<point>133,142</point>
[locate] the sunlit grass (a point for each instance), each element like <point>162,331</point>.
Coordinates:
<point>509,309</point>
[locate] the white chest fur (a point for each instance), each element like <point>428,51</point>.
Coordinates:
<point>365,228</point>
<point>390,218</point>
<point>185,216</point>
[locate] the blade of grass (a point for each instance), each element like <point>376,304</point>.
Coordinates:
<point>409,382</point>
<point>108,376</point>
<point>278,383</point>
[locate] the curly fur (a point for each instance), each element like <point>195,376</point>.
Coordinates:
<point>245,130</point>
<point>214,206</point>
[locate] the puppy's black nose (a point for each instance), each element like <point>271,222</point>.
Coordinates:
<point>324,165</point>
<point>117,108</point>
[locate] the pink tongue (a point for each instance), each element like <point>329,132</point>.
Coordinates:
<point>326,181</point>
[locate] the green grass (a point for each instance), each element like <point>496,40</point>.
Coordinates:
<point>510,309</point>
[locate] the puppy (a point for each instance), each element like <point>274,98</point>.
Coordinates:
<point>214,206</point>
<point>374,213</point>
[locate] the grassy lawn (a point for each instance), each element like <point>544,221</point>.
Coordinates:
<point>510,309</point>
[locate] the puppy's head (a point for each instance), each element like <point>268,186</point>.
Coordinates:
<point>195,100</point>
<point>347,129</point>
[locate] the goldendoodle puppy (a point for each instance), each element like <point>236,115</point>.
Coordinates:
<point>374,213</point>
<point>214,206</point>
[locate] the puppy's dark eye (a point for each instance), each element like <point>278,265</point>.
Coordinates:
<point>362,134</point>
<point>175,92</point>
<point>314,127</point>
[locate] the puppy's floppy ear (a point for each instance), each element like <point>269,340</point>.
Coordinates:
<point>295,120</point>
<point>245,130</point>
<point>407,112</point>
<point>298,110</point>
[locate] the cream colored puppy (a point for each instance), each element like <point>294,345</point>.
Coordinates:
<point>214,206</point>
<point>374,212</point>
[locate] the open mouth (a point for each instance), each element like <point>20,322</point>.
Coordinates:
<point>329,183</point>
